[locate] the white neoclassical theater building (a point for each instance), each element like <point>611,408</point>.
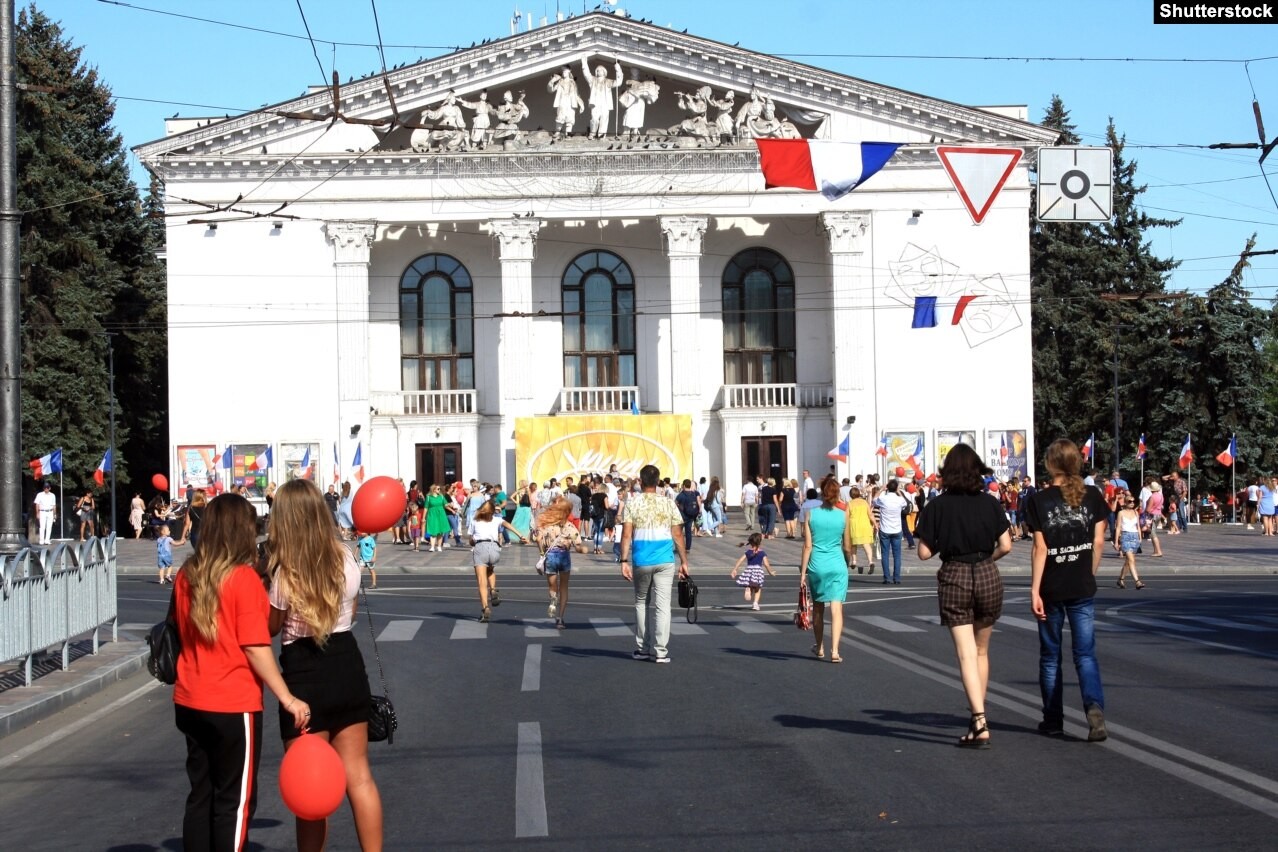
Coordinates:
<point>555,252</point>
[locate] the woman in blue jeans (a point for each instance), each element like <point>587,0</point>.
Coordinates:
<point>1067,520</point>
<point>556,537</point>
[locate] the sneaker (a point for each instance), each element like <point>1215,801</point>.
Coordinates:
<point>1051,729</point>
<point>553,609</point>
<point>661,659</point>
<point>642,656</point>
<point>494,598</point>
<point>755,607</point>
<point>1096,732</point>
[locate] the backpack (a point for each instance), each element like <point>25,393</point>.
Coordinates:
<point>687,501</point>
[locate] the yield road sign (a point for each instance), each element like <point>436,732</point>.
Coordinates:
<point>978,174</point>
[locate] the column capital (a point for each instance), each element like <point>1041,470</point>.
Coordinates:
<point>683,234</point>
<point>517,237</point>
<point>845,231</point>
<point>352,241</point>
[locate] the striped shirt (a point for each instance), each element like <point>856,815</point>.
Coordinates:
<point>651,517</point>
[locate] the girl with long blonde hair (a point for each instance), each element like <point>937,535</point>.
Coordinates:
<point>314,581</point>
<point>220,608</point>
<point>556,537</point>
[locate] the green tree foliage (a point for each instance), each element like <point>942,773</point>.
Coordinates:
<point>88,267</point>
<point>1079,328</point>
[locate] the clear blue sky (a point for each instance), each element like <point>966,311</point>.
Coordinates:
<point>180,62</point>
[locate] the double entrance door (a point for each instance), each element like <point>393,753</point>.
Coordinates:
<point>764,456</point>
<point>438,464</point>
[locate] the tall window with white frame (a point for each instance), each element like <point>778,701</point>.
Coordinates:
<point>599,322</point>
<point>758,319</point>
<point>437,325</point>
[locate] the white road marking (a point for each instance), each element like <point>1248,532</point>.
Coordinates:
<point>530,784</point>
<point>539,628</point>
<point>1165,625</point>
<point>611,627</point>
<point>532,670</point>
<point>680,627</point>
<point>1228,623</point>
<point>889,624</point>
<point>400,631</point>
<point>1030,706</point>
<point>1023,623</point>
<point>749,625</point>
<point>469,630</point>
<point>66,730</point>
<point>930,619</point>
<point>136,625</point>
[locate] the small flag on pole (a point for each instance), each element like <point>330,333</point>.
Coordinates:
<point>47,464</point>
<point>228,457</point>
<point>882,450</point>
<point>1140,447</point>
<point>841,451</point>
<point>634,405</point>
<point>1187,452</point>
<point>832,168</point>
<point>263,460</point>
<point>1230,453</point>
<point>337,465</point>
<point>1089,447</point>
<point>1002,447</point>
<point>104,467</point>
<point>913,460</point>
<point>358,464</point>
<point>304,469</point>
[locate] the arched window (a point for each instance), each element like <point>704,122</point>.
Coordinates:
<point>436,325</point>
<point>758,319</point>
<point>599,322</point>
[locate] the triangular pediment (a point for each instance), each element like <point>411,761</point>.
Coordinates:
<point>375,110</point>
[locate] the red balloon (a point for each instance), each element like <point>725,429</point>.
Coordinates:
<point>378,504</point>
<point>160,481</point>
<point>900,471</point>
<point>911,487</point>
<point>312,778</point>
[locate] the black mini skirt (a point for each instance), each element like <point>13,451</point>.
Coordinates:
<point>331,680</point>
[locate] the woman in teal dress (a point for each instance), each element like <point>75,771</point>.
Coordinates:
<point>827,548</point>
<point>437,526</point>
<point>523,511</point>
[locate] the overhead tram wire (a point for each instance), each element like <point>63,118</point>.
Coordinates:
<point>377,25</point>
<point>311,39</point>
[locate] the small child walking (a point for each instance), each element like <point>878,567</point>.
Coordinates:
<point>368,556</point>
<point>415,526</point>
<point>164,554</point>
<point>756,562</point>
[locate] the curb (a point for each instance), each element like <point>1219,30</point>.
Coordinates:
<point>46,696</point>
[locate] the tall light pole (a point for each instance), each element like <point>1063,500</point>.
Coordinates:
<point>12,535</point>
<point>1130,297</point>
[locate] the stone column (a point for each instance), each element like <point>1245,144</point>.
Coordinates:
<point>352,247</point>
<point>517,240</point>
<point>852,332</point>
<point>679,379</point>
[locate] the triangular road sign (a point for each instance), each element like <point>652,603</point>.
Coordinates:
<point>978,174</point>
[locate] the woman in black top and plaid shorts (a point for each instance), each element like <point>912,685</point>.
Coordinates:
<point>969,529</point>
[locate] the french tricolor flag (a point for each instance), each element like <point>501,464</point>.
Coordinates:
<point>832,168</point>
<point>263,461</point>
<point>1230,453</point>
<point>882,450</point>
<point>1187,452</point>
<point>358,463</point>
<point>104,467</point>
<point>1089,447</point>
<point>841,451</point>
<point>1140,447</point>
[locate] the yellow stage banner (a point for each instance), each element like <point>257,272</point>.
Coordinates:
<point>576,445</point>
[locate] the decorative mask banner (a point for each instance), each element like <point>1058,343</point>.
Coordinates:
<point>906,450</point>
<point>1005,452</point>
<point>578,445</point>
<point>195,466</point>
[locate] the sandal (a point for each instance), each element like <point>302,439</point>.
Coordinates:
<point>1121,584</point>
<point>976,726</point>
<point>818,652</point>
<point>836,659</point>
<point>1139,584</point>
<point>559,625</point>
<point>494,597</point>
<point>485,615</point>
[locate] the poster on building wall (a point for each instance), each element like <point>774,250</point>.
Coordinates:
<point>244,469</point>
<point>908,451</point>
<point>195,467</point>
<point>580,445</point>
<point>945,441</point>
<point>300,461</point>
<point>1005,453</point>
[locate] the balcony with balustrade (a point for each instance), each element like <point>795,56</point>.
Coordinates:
<point>607,400</point>
<point>785,396</point>
<point>426,404</point>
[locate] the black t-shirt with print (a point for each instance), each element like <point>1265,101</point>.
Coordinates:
<point>961,525</point>
<point>1069,533</point>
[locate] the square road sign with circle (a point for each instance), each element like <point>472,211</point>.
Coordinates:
<point>1075,184</point>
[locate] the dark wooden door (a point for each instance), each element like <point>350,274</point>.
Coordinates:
<point>764,456</point>
<point>438,464</point>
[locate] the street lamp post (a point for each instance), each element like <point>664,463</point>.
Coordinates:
<point>1130,297</point>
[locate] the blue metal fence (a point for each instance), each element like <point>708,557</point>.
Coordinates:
<point>51,594</point>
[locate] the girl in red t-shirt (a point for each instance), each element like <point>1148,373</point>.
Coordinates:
<point>221,611</point>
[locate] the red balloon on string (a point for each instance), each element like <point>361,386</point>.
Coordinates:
<point>160,481</point>
<point>911,488</point>
<point>900,471</point>
<point>378,505</point>
<point>312,778</point>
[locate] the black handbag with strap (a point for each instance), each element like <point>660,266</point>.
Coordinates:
<point>688,598</point>
<point>382,720</point>
<point>166,646</point>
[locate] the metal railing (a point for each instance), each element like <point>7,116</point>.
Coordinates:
<point>778,396</point>
<point>622,400</point>
<point>49,595</point>
<point>404,403</point>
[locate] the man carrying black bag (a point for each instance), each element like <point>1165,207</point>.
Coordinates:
<point>651,536</point>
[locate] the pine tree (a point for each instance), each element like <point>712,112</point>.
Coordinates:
<point>87,267</point>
